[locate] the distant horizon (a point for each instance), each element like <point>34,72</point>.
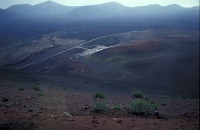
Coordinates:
<point>104,1</point>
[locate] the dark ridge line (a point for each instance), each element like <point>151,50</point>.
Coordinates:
<point>25,59</point>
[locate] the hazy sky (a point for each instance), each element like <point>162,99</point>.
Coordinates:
<point>132,3</point>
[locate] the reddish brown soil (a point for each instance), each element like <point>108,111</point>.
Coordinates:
<point>27,110</point>
<point>54,108</point>
<point>140,46</point>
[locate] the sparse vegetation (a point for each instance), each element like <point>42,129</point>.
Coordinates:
<point>142,107</point>
<point>118,108</point>
<point>99,107</point>
<point>147,98</point>
<point>99,94</point>
<point>21,89</point>
<point>37,88</point>
<point>164,97</point>
<point>138,94</point>
<point>151,100</point>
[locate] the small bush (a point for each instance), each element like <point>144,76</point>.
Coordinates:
<point>99,94</point>
<point>142,107</point>
<point>99,107</point>
<point>164,97</point>
<point>146,98</point>
<point>155,106</point>
<point>118,108</point>
<point>138,94</point>
<point>21,89</point>
<point>37,88</point>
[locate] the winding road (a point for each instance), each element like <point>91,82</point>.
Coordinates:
<point>24,66</point>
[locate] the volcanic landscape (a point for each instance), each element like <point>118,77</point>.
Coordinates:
<point>52,71</point>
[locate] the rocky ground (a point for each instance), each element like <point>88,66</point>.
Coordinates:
<point>23,107</point>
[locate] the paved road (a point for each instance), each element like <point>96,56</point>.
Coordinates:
<point>24,66</point>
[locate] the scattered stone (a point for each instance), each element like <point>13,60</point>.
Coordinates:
<point>2,108</point>
<point>86,113</point>
<point>55,117</point>
<point>117,120</point>
<point>17,103</point>
<point>114,119</point>
<point>94,117</point>
<point>17,100</point>
<point>95,121</point>
<point>104,121</point>
<point>71,119</point>
<point>9,105</point>
<point>28,98</point>
<point>5,99</point>
<point>40,112</point>
<point>158,115</point>
<point>66,114</point>
<point>30,110</point>
<point>85,107</point>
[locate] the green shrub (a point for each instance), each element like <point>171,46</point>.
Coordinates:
<point>142,107</point>
<point>138,94</point>
<point>99,94</point>
<point>164,97</point>
<point>118,108</point>
<point>21,89</point>
<point>147,98</point>
<point>99,107</point>
<point>37,88</point>
<point>155,106</point>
